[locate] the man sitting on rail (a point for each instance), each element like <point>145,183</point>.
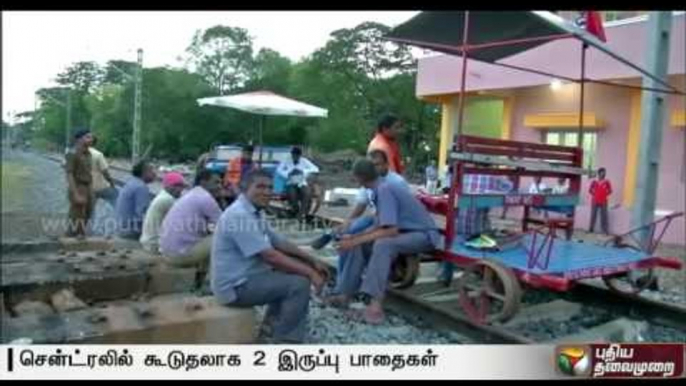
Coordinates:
<point>402,226</point>
<point>133,201</point>
<point>253,265</point>
<point>357,221</point>
<point>172,186</point>
<point>186,239</point>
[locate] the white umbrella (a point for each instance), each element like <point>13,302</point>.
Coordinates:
<point>265,103</point>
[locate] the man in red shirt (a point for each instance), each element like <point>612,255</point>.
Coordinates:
<point>600,190</point>
<point>385,140</point>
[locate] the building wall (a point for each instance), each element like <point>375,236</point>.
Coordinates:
<point>612,105</point>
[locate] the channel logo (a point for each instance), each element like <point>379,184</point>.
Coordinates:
<point>574,360</point>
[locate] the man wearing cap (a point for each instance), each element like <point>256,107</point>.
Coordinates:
<point>172,186</point>
<point>295,171</point>
<point>79,180</point>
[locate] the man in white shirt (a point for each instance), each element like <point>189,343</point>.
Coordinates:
<point>103,184</point>
<point>295,171</point>
<point>538,187</point>
<point>172,186</point>
<point>561,187</point>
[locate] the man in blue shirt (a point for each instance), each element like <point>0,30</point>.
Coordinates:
<point>252,265</point>
<point>133,201</point>
<point>402,226</point>
<point>357,221</point>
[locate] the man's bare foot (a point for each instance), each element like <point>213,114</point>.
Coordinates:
<point>369,316</point>
<point>338,301</point>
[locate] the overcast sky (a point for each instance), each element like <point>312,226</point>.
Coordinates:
<point>38,45</point>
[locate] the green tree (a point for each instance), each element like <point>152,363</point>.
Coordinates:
<point>222,55</point>
<point>119,71</point>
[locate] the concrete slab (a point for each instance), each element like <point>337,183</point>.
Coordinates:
<point>93,276</point>
<point>87,244</point>
<point>170,319</point>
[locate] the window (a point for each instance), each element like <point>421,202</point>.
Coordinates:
<point>568,138</point>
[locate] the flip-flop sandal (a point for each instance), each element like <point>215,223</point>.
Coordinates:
<point>362,316</point>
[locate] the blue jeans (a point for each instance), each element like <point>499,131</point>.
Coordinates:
<point>358,226</point>
<point>287,297</point>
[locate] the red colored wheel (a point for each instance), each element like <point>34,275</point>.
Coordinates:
<point>489,292</point>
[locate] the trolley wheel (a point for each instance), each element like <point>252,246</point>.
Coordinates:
<point>404,271</point>
<point>633,282</point>
<point>489,292</point>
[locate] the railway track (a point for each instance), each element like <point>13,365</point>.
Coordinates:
<point>586,313</point>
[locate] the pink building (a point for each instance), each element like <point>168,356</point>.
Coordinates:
<point>530,107</point>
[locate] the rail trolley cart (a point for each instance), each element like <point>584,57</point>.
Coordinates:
<point>541,254</point>
<point>490,284</point>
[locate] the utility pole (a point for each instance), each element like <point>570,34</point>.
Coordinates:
<point>67,131</point>
<point>652,121</point>
<point>135,142</point>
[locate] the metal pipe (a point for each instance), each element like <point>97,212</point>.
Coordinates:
<point>544,73</point>
<point>137,100</point>
<point>579,141</point>
<point>476,47</point>
<point>456,175</point>
<point>67,130</point>
<point>262,124</point>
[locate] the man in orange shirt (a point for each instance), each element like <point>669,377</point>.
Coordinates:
<point>385,140</point>
<point>237,169</point>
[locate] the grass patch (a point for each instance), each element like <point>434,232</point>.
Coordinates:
<point>14,179</point>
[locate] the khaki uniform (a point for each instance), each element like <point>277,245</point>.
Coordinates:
<point>79,166</point>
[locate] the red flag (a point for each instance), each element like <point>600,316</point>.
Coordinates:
<point>594,24</point>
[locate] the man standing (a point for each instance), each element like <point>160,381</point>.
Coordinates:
<point>79,180</point>
<point>431,177</point>
<point>386,141</point>
<point>186,236</point>
<point>133,201</point>
<point>600,190</point>
<point>237,169</point>
<point>295,171</point>
<point>402,226</point>
<point>253,265</point>
<point>103,184</point>
<point>172,186</point>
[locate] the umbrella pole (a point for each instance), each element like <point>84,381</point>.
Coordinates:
<point>262,122</point>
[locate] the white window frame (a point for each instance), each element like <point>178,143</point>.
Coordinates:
<point>590,159</point>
